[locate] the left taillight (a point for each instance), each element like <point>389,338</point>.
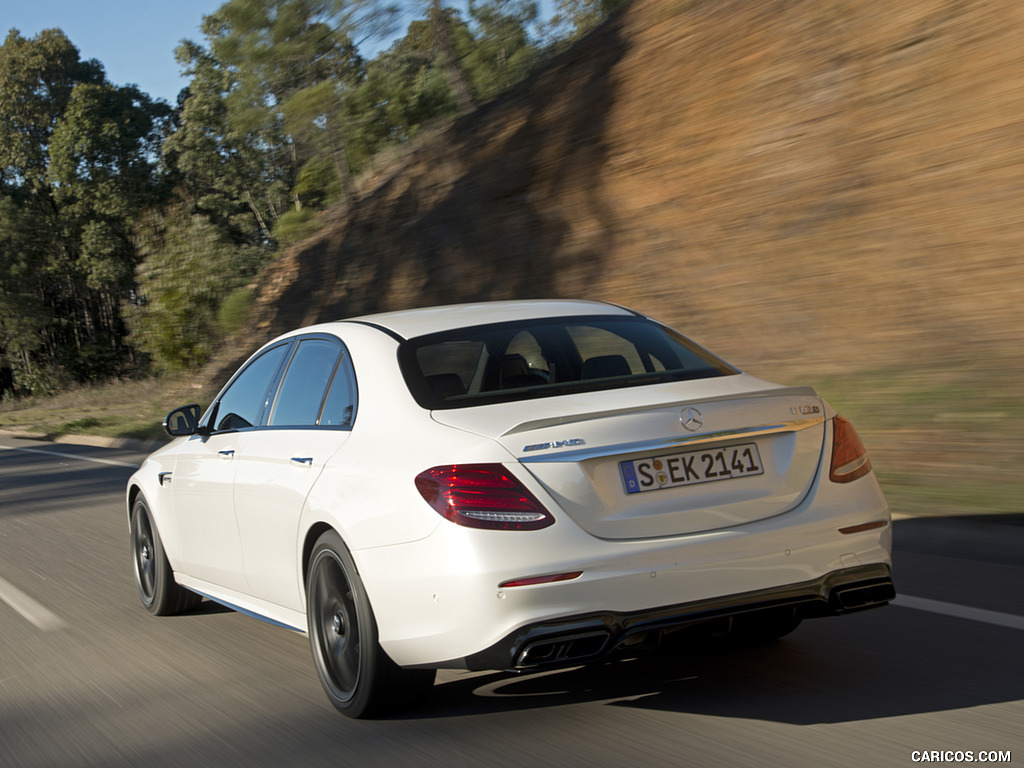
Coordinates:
<point>482,496</point>
<point>849,456</point>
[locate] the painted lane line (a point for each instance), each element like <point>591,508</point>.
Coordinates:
<point>960,611</point>
<point>59,454</point>
<point>42,617</point>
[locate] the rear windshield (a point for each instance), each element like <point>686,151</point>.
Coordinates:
<point>506,362</point>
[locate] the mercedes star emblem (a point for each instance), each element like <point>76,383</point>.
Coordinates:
<point>691,419</point>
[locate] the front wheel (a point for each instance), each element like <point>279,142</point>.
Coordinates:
<point>357,676</point>
<point>159,593</point>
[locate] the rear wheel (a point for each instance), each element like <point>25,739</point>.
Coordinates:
<point>159,593</point>
<point>357,676</point>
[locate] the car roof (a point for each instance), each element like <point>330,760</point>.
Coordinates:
<point>410,323</point>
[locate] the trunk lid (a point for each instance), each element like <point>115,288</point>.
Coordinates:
<point>664,460</point>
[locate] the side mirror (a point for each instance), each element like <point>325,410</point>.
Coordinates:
<point>183,421</point>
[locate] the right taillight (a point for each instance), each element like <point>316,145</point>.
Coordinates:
<point>482,496</point>
<point>849,456</point>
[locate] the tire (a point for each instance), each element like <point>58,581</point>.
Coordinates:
<point>160,594</point>
<point>360,680</point>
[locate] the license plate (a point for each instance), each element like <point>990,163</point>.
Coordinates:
<point>691,468</point>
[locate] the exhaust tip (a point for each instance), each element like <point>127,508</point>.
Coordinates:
<point>558,651</point>
<point>861,596</point>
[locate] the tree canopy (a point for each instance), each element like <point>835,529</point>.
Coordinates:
<point>79,160</point>
<point>126,223</point>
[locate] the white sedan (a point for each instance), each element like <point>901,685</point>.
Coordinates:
<point>508,485</point>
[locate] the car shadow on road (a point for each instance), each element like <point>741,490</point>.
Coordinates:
<point>884,663</point>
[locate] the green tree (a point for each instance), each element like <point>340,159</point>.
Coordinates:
<point>406,86</point>
<point>190,266</point>
<point>294,62</point>
<point>77,163</point>
<point>102,174</point>
<point>504,52</point>
<point>24,318</point>
<point>38,76</point>
<point>223,173</point>
<point>440,68</point>
<point>444,43</point>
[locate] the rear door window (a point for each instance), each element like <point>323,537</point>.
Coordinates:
<point>339,409</point>
<point>302,391</point>
<point>318,387</point>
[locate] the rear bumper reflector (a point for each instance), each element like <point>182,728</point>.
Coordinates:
<point>532,580</point>
<point>865,527</point>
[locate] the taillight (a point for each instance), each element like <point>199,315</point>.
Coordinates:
<point>849,456</point>
<point>482,496</point>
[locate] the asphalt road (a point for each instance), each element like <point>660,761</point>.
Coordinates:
<point>88,678</point>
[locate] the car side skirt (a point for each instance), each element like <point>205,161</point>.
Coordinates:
<point>247,605</point>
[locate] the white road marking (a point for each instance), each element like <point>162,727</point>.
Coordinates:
<point>960,611</point>
<point>36,613</point>
<point>42,617</point>
<point>111,462</point>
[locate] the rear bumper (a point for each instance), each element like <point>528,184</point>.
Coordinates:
<point>588,637</point>
<point>439,602</point>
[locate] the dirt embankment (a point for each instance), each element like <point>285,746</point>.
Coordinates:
<point>782,179</point>
<point>806,188</point>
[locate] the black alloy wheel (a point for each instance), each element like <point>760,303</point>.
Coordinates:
<point>360,680</point>
<point>159,593</point>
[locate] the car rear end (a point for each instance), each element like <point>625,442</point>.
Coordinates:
<point>652,490</point>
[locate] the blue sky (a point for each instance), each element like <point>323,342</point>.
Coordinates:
<point>134,40</point>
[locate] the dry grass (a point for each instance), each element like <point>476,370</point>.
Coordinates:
<point>129,409</point>
<point>943,441</point>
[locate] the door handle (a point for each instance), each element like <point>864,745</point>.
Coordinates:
<point>228,454</point>
<point>304,460</point>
